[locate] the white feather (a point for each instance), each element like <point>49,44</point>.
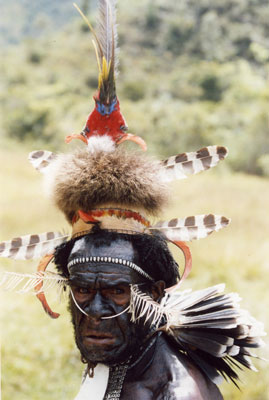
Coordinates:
<point>100,143</point>
<point>26,283</point>
<point>107,28</point>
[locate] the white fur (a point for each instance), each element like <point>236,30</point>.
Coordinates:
<point>95,144</point>
<point>49,175</point>
<point>100,143</point>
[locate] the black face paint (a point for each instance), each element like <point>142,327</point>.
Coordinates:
<point>103,290</point>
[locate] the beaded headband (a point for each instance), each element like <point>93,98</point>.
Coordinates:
<point>108,260</point>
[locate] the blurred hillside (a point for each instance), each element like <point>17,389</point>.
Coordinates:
<point>36,18</point>
<point>191,74</point>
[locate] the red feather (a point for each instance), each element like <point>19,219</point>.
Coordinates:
<point>112,124</point>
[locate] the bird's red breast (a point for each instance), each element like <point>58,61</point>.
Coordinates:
<point>106,120</point>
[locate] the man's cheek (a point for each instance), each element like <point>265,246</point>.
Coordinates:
<point>75,313</point>
<point>124,322</point>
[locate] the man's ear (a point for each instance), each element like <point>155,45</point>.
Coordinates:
<point>157,290</point>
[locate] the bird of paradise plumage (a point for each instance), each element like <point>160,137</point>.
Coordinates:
<point>106,120</point>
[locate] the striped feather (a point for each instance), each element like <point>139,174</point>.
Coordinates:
<point>190,228</point>
<point>41,159</point>
<point>26,283</point>
<point>206,325</point>
<point>31,246</point>
<point>183,165</point>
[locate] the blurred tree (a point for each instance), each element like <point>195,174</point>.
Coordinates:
<point>35,57</point>
<point>134,91</point>
<point>179,33</point>
<point>212,89</point>
<point>28,123</point>
<point>92,81</point>
<point>152,18</point>
<point>86,6</point>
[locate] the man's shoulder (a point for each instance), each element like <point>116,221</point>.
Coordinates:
<point>184,380</point>
<point>169,375</point>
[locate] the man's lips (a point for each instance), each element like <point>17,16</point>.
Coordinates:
<point>98,338</point>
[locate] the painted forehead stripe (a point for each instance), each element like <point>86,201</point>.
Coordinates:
<point>110,260</point>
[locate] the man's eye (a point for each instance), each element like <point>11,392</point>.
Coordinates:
<point>113,292</point>
<point>81,290</point>
<point>117,291</point>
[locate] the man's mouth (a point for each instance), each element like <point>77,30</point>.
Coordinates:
<point>98,338</point>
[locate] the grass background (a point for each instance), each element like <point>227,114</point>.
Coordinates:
<point>39,358</point>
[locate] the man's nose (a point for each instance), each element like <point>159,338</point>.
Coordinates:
<point>98,307</point>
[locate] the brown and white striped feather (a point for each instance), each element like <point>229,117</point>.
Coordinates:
<point>190,228</point>
<point>183,165</point>
<point>40,159</point>
<point>31,246</point>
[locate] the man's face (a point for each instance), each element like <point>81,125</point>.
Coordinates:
<point>103,290</point>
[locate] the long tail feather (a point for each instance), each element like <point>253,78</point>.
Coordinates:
<point>190,228</point>
<point>31,246</point>
<point>106,30</point>
<point>91,29</point>
<point>105,43</point>
<point>183,165</point>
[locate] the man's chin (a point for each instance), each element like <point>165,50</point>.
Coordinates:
<point>106,353</point>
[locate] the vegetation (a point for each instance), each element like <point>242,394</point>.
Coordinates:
<point>191,74</point>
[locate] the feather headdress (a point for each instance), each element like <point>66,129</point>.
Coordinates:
<point>118,191</point>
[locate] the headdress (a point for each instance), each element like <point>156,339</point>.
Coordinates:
<point>117,190</point>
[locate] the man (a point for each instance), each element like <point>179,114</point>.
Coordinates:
<point>140,336</point>
<point>151,367</point>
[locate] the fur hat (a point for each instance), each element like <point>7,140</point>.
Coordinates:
<point>84,181</point>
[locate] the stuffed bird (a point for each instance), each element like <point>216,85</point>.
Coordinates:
<point>105,127</point>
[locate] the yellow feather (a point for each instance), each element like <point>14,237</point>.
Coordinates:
<point>97,57</point>
<point>85,18</point>
<point>91,28</point>
<point>104,69</point>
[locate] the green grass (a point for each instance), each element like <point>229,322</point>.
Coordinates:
<point>39,357</point>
